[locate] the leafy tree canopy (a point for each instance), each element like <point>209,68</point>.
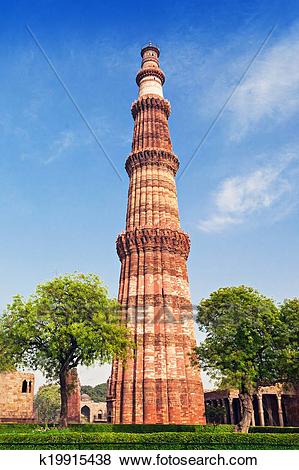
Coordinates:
<point>47,403</point>
<point>243,340</point>
<point>97,393</point>
<point>290,319</point>
<point>68,321</point>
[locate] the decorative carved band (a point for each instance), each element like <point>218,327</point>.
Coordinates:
<point>150,71</point>
<point>153,239</point>
<point>148,102</point>
<point>152,157</point>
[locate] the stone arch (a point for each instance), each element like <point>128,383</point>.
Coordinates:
<point>85,410</point>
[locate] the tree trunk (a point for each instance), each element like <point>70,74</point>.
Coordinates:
<point>247,410</point>
<point>64,398</point>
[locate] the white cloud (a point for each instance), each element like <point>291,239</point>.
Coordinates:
<point>217,223</point>
<point>65,140</point>
<point>269,95</point>
<point>240,196</point>
<point>249,193</point>
<point>271,90</point>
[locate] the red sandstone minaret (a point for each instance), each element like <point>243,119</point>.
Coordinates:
<point>159,384</point>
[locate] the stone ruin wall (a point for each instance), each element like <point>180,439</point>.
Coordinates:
<point>16,397</point>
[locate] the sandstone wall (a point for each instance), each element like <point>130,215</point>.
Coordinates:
<point>16,397</point>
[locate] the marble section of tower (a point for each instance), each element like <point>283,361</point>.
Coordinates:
<point>158,384</point>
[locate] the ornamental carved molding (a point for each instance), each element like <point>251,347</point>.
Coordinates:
<point>152,157</point>
<point>153,239</point>
<point>150,71</point>
<point>150,102</point>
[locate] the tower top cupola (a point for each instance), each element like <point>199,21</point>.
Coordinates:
<point>150,77</point>
<point>150,47</point>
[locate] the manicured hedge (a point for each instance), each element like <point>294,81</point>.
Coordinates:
<point>6,428</point>
<point>169,440</point>
<point>150,428</point>
<point>17,428</point>
<point>274,429</point>
<point>117,428</point>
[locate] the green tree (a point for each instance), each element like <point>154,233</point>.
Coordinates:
<point>47,403</point>
<point>67,322</point>
<point>289,310</point>
<point>97,393</point>
<point>243,344</point>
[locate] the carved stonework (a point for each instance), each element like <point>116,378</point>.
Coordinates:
<point>152,157</point>
<point>151,131</point>
<point>152,72</point>
<point>150,102</point>
<point>172,241</point>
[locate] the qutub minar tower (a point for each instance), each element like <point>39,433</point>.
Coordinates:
<point>158,384</point>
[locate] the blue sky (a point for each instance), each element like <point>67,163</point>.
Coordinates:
<point>61,204</point>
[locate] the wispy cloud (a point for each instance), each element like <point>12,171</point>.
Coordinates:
<point>64,142</point>
<point>240,196</point>
<point>270,94</point>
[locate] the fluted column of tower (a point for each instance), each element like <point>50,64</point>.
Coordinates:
<point>158,384</point>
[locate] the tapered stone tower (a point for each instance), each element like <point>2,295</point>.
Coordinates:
<point>159,384</point>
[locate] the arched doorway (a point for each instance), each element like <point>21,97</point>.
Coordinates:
<point>85,411</point>
<point>24,386</point>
